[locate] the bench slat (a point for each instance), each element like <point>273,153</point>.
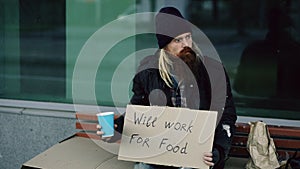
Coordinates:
<point>291,132</point>
<point>86,126</point>
<point>274,130</point>
<point>280,143</point>
<point>90,116</point>
<point>237,151</point>
<point>85,116</point>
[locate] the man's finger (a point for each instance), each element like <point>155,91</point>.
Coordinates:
<point>207,158</point>
<point>99,133</point>
<point>208,163</point>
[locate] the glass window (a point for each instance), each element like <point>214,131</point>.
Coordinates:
<point>56,51</point>
<point>33,50</point>
<point>41,41</point>
<point>259,44</point>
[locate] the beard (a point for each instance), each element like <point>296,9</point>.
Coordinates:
<point>189,57</point>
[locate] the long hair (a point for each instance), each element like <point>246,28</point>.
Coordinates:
<point>165,64</point>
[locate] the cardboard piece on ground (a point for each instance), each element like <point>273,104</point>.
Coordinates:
<point>167,135</point>
<point>77,153</point>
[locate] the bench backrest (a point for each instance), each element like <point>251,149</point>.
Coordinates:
<point>86,125</point>
<point>286,139</point>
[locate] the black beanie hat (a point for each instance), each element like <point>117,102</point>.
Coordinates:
<point>169,24</point>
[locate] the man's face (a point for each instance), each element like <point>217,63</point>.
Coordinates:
<point>178,43</point>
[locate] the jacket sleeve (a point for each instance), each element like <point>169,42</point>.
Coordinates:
<point>226,127</point>
<point>139,98</point>
<point>139,95</point>
<point>229,114</point>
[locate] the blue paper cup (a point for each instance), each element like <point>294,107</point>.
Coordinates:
<point>106,121</point>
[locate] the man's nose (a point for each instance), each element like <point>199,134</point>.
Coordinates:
<point>185,43</point>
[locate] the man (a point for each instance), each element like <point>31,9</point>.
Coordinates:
<point>176,76</point>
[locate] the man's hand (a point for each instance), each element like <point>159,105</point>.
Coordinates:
<point>107,139</point>
<point>208,158</point>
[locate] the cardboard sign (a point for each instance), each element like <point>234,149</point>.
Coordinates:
<point>167,135</point>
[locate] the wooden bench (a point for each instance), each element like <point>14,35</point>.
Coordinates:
<point>86,125</point>
<point>286,139</point>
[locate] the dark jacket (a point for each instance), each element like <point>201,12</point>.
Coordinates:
<point>148,79</point>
